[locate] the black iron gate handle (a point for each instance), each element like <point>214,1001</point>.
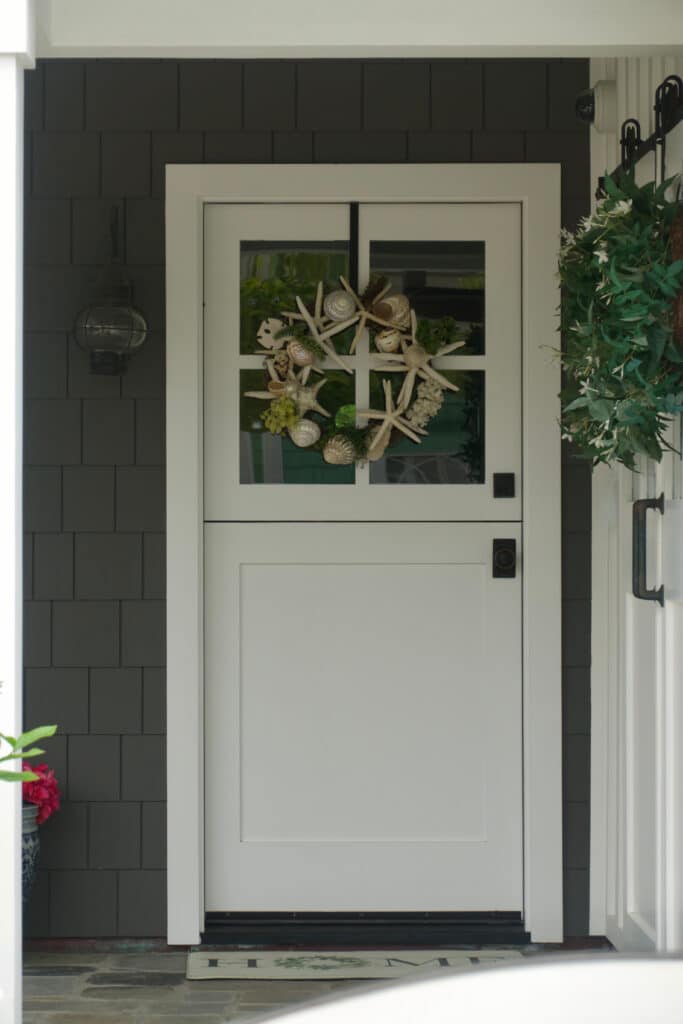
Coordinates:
<point>640,508</point>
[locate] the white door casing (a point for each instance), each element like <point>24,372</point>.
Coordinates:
<point>537,190</point>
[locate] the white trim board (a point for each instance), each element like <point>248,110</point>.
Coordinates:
<point>537,188</point>
<point>382,29</point>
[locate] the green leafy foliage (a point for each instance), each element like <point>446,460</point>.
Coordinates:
<point>271,282</point>
<point>436,334</point>
<point>623,366</point>
<point>20,748</point>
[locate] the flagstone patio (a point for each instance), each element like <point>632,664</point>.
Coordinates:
<point>74,988</point>
<point>151,988</point>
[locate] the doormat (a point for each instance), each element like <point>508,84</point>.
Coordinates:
<point>349,963</point>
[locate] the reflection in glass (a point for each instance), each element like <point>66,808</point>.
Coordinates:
<point>267,458</point>
<point>272,274</point>
<point>440,279</point>
<point>453,451</point>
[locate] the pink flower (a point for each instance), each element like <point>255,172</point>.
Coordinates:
<point>42,791</point>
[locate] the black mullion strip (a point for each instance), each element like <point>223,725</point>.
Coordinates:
<point>353,245</point>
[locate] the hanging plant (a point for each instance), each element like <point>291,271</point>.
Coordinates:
<point>621,288</point>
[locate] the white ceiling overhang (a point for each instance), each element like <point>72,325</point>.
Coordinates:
<point>356,28</point>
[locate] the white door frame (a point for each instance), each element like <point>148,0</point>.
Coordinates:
<point>536,187</point>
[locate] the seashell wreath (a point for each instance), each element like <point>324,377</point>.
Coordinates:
<point>295,343</point>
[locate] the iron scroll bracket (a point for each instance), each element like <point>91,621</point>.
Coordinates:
<point>668,108</point>
<point>640,509</point>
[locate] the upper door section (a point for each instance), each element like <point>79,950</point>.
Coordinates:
<point>408,413</point>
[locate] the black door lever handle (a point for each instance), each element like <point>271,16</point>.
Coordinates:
<point>640,508</point>
<point>504,559</point>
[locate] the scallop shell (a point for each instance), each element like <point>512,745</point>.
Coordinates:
<point>339,451</point>
<point>395,309</point>
<point>339,305</point>
<point>304,433</point>
<point>267,331</point>
<point>299,354</point>
<point>277,387</point>
<point>388,341</point>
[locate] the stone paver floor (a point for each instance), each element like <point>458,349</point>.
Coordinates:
<point>148,988</point>
<point>151,988</point>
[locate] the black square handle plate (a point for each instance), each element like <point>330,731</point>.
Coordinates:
<point>503,485</point>
<point>504,558</point>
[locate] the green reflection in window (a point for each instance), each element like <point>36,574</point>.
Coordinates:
<point>453,451</point>
<point>272,274</point>
<point>441,279</point>
<point>274,459</point>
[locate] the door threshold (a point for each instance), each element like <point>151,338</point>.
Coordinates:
<point>413,930</point>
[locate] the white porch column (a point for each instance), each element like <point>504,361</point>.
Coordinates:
<point>16,49</point>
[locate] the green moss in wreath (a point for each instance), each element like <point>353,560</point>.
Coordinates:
<point>436,334</point>
<point>623,366</point>
<point>280,414</point>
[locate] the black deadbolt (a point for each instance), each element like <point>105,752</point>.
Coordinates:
<point>503,485</point>
<point>504,558</point>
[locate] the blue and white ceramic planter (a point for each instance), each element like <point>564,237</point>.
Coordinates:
<point>30,845</point>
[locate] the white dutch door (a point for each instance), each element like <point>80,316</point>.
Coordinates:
<point>362,602</point>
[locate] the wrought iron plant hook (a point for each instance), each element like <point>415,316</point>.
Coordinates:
<point>630,142</point>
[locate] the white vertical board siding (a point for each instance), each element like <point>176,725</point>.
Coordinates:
<point>620,880</point>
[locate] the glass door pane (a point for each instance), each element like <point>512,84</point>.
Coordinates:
<point>423,382</point>
<point>444,283</point>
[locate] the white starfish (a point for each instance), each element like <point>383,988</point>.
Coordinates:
<point>320,327</point>
<point>303,377</point>
<point>391,417</point>
<point>414,361</point>
<point>318,316</point>
<point>363,315</point>
<point>305,398</point>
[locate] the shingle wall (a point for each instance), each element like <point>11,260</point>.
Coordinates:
<point>99,133</point>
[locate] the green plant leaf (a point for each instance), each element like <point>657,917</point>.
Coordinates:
<point>17,776</point>
<point>18,755</point>
<point>41,732</point>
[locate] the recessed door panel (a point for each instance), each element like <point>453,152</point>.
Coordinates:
<point>363,719</point>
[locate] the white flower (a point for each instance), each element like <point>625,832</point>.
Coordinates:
<point>622,207</point>
<point>601,254</point>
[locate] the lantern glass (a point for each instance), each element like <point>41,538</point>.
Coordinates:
<point>110,333</point>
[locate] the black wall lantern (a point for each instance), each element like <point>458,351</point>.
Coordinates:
<point>110,328</point>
